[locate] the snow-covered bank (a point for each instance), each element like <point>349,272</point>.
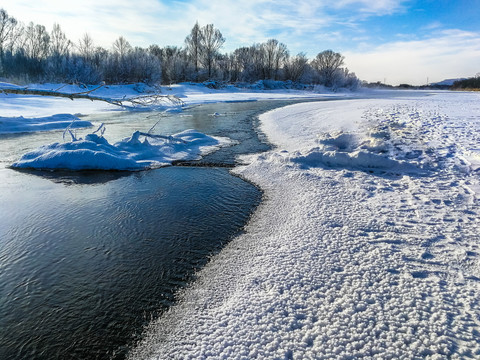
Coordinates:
<point>345,259</point>
<point>191,94</point>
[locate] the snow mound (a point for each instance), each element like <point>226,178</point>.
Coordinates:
<point>350,151</point>
<point>138,152</point>
<point>11,125</point>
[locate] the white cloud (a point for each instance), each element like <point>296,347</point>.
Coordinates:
<point>377,7</point>
<point>450,54</point>
<point>304,25</point>
<point>104,20</point>
<point>144,22</point>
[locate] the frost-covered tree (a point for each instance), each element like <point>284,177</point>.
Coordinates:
<point>59,44</point>
<point>174,62</point>
<point>211,40</point>
<point>274,55</point>
<point>295,67</point>
<point>36,42</point>
<point>86,47</point>
<point>7,31</point>
<point>193,45</point>
<point>121,47</point>
<point>327,63</point>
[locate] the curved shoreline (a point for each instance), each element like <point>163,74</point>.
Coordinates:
<point>340,262</point>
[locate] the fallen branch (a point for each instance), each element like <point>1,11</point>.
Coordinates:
<point>132,102</point>
<point>165,137</point>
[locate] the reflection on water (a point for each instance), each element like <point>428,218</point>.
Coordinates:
<point>84,177</point>
<point>88,258</point>
<point>83,265</point>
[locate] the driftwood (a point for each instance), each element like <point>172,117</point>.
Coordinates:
<point>131,102</point>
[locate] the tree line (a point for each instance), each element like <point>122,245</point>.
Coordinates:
<point>31,53</point>
<point>467,84</point>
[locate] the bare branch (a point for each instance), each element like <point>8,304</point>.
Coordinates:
<point>142,101</point>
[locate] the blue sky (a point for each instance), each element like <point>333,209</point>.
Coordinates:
<point>397,41</point>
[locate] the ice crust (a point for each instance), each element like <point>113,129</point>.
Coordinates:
<point>361,256</point>
<point>19,124</point>
<point>137,152</point>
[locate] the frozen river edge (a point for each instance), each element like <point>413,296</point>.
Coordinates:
<point>349,255</point>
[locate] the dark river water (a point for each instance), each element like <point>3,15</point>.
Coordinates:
<point>88,259</point>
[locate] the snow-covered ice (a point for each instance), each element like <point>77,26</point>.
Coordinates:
<point>366,245</point>
<point>138,152</point>
<point>11,125</point>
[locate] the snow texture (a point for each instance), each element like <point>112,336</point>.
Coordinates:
<point>137,152</point>
<point>366,245</point>
<point>10,125</point>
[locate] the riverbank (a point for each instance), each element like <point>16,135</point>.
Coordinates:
<point>366,243</point>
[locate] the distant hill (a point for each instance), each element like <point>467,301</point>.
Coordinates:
<point>447,82</point>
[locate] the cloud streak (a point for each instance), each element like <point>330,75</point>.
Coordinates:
<point>447,54</point>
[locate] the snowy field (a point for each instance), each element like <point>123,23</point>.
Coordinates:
<point>366,245</point>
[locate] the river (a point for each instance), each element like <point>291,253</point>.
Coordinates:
<point>88,259</point>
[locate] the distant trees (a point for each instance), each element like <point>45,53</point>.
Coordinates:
<point>274,54</point>
<point>31,53</point>
<point>467,84</point>
<point>211,41</point>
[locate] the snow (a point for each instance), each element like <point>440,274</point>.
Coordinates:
<point>10,125</point>
<point>371,254</point>
<point>138,152</point>
<point>192,94</point>
<point>366,243</point>
<point>95,152</point>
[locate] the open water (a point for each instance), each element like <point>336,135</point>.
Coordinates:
<point>88,259</point>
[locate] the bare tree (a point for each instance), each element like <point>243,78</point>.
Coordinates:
<point>327,63</point>
<point>59,44</point>
<point>85,47</point>
<point>275,54</point>
<point>295,66</point>
<point>37,41</point>
<point>7,29</point>
<point>211,41</point>
<point>193,44</point>
<point>121,47</point>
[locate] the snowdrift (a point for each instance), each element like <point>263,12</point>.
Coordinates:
<point>139,152</point>
<point>374,152</point>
